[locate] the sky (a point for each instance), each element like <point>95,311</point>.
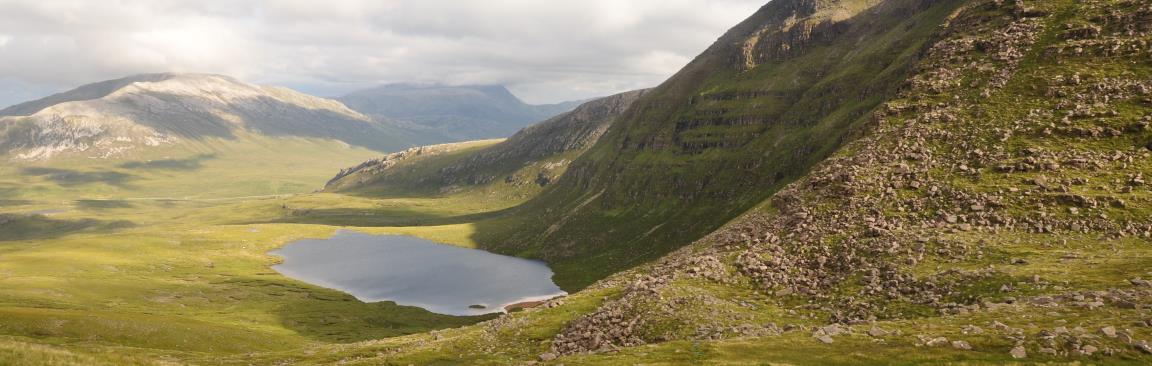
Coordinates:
<point>545,51</point>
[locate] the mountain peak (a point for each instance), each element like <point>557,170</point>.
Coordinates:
<point>105,88</point>
<point>107,118</point>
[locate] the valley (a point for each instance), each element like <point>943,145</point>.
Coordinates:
<point>833,182</point>
<point>89,257</point>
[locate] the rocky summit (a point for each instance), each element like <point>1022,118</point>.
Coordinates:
<point>117,118</point>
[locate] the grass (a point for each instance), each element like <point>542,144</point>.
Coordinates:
<point>163,259</point>
<point>166,253</point>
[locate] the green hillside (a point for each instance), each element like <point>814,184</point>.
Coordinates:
<point>775,95</point>
<point>834,182</point>
<point>993,210</point>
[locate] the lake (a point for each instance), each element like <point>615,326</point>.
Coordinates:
<point>417,272</point>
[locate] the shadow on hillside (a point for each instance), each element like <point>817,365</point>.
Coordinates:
<point>71,178</point>
<point>103,204</point>
<point>39,227</point>
<point>189,164</point>
<point>374,217</point>
<point>332,316</point>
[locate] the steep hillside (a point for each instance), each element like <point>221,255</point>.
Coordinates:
<point>453,113</point>
<point>996,211</point>
<point>113,118</point>
<point>775,95</point>
<point>532,158</point>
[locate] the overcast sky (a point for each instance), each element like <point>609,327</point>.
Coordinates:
<point>544,50</point>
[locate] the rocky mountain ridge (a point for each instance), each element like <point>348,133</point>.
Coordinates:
<point>112,118</point>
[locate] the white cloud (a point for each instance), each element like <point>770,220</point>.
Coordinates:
<point>545,50</point>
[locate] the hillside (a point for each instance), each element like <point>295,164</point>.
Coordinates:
<point>1012,195</point>
<point>532,158</point>
<point>994,211</point>
<point>834,182</point>
<point>117,118</point>
<point>452,113</point>
<point>771,98</point>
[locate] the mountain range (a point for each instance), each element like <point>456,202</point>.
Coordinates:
<point>116,118</point>
<point>453,113</point>
<point>844,182</point>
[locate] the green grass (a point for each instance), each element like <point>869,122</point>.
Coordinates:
<point>163,259</point>
<point>167,253</point>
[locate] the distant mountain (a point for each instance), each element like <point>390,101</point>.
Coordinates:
<point>113,118</point>
<point>533,157</point>
<point>452,113</point>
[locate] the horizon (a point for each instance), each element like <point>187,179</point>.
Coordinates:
<point>331,97</point>
<point>543,53</point>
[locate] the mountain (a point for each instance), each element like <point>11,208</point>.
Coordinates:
<point>996,207</point>
<point>115,117</point>
<point>772,97</point>
<point>834,182</point>
<point>857,182</point>
<point>453,113</point>
<point>535,156</point>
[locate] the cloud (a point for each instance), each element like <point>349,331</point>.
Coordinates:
<point>545,50</point>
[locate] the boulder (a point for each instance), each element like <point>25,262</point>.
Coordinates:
<point>961,345</point>
<point>1018,352</point>
<point>1108,331</point>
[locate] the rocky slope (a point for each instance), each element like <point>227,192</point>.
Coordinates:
<point>535,156</point>
<point>1001,197</point>
<point>453,113</point>
<point>114,118</point>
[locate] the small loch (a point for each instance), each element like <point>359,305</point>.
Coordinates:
<point>417,272</point>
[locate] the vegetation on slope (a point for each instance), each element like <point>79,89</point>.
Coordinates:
<point>774,96</point>
<point>996,212</point>
<point>520,166</point>
<point>121,262</point>
<point>1014,221</point>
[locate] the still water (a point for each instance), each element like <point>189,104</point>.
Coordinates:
<point>412,271</point>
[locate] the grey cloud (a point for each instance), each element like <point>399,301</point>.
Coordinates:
<point>545,51</point>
